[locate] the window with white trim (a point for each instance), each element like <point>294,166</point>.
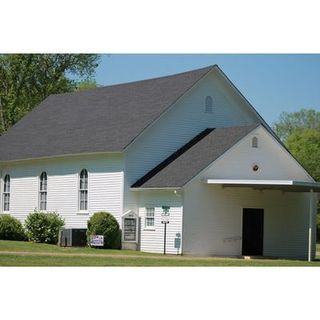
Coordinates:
<point>209,104</point>
<point>83,190</point>
<point>149,217</point>
<point>43,191</point>
<point>6,193</point>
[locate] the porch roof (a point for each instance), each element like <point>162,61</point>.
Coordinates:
<point>284,185</point>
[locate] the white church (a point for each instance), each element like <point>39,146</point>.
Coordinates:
<point>188,149</point>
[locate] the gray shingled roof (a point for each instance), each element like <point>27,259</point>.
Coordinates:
<point>104,119</point>
<point>195,156</point>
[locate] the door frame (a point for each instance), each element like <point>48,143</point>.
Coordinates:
<point>241,226</point>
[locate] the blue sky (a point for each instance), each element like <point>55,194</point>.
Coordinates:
<point>273,83</point>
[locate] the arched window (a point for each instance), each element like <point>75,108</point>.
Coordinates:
<point>209,104</point>
<point>254,142</point>
<point>6,193</point>
<point>83,190</point>
<point>43,191</point>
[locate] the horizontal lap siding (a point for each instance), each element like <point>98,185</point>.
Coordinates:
<point>180,124</point>
<point>213,215</point>
<point>105,187</point>
<point>213,221</point>
<point>153,240</point>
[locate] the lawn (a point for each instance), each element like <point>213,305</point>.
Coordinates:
<point>14,253</point>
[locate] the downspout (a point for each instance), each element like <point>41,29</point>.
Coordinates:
<point>310,224</point>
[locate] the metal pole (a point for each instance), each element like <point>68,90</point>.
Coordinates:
<point>165,238</point>
<point>310,223</point>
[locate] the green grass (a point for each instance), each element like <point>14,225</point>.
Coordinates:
<point>14,253</point>
<point>21,246</point>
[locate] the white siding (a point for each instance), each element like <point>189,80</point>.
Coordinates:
<point>180,124</point>
<point>212,222</point>
<point>273,160</point>
<point>105,186</point>
<point>153,240</point>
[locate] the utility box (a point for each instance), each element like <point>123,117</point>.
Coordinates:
<point>72,237</point>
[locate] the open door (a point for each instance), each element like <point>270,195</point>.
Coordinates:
<point>252,232</point>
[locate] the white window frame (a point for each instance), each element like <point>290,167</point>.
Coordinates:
<point>43,191</point>
<point>6,193</point>
<point>146,226</point>
<point>85,191</point>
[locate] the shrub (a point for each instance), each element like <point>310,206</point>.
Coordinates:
<point>104,223</point>
<point>11,228</point>
<point>43,227</point>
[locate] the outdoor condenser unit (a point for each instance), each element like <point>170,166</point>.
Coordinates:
<point>72,237</point>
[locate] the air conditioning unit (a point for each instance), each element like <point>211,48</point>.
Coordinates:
<point>72,237</point>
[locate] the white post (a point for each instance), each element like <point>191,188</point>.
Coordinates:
<point>310,224</point>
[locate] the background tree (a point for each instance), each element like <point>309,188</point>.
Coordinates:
<point>305,146</point>
<point>87,84</point>
<point>288,122</point>
<point>27,79</point>
<point>300,132</point>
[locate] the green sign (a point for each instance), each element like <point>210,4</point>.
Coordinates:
<point>166,210</point>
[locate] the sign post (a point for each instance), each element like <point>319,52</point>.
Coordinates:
<point>165,220</point>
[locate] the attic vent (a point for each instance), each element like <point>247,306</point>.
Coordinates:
<point>209,104</point>
<point>254,142</point>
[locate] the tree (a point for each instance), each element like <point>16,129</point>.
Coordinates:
<point>304,144</point>
<point>300,131</point>
<point>87,84</point>
<point>27,79</point>
<point>289,122</point>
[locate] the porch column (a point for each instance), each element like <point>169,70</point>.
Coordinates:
<point>310,224</point>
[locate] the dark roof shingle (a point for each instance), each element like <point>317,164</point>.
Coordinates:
<point>104,119</point>
<point>181,167</point>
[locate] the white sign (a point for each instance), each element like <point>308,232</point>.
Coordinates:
<point>97,241</point>
<point>165,214</point>
<point>164,218</point>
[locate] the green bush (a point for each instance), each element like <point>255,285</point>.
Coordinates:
<point>11,228</point>
<point>43,227</point>
<point>104,223</point>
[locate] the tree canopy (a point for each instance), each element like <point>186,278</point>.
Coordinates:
<point>27,79</point>
<point>300,131</point>
<point>289,122</point>
<point>305,146</point>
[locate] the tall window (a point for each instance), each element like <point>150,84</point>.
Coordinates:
<point>83,191</point>
<point>209,104</point>
<point>43,191</point>
<point>6,193</point>
<point>149,217</point>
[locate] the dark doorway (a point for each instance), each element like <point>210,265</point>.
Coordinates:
<point>252,232</point>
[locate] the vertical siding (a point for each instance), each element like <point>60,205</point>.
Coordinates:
<point>153,240</point>
<point>105,186</point>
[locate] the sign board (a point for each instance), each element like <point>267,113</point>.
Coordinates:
<point>166,210</point>
<point>165,214</point>
<point>97,241</point>
<point>164,218</point>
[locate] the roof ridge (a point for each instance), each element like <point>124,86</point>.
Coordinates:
<point>137,81</point>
